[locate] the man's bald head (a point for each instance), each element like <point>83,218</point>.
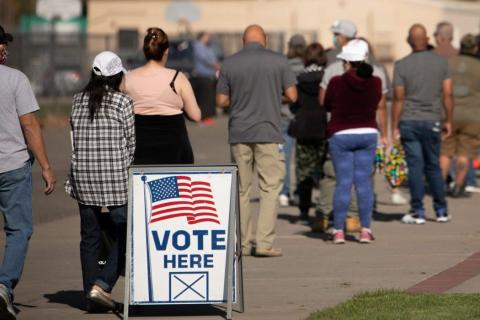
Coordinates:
<point>444,32</point>
<point>254,33</point>
<point>417,37</point>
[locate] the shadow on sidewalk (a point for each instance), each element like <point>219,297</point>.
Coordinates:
<point>292,218</point>
<point>72,298</point>
<point>183,310</point>
<point>326,237</point>
<point>386,217</point>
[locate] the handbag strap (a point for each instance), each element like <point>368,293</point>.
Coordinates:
<point>172,83</point>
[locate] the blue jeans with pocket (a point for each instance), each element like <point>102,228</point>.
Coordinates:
<point>421,141</point>
<point>91,239</point>
<point>353,156</point>
<point>16,205</point>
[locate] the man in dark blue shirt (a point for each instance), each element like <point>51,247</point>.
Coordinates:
<point>204,72</point>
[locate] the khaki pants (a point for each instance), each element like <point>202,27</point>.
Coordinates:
<point>269,162</point>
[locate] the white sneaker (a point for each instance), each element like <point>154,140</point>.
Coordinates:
<point>6,307</point>
<point>413,219</point>
<point>443,219</point>
<point>398,198</point>
<point>283,200</point>
<point>472,189</point>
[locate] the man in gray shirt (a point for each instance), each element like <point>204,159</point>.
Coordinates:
<point>18,125</point>
<point>252,82</point>
<point>422,87</point>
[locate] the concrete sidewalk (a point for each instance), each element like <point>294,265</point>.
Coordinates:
<point>312,274</point>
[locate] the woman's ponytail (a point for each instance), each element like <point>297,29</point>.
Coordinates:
<point>364,70</point>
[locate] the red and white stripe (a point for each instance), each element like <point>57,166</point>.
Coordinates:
<point>195,202</point>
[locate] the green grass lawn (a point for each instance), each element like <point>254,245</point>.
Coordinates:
<point>399,305</point>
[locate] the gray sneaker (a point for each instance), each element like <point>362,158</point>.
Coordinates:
<point>6,307</point>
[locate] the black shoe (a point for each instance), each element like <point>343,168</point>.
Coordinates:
<point>6,307</point>
<point>459,192</point>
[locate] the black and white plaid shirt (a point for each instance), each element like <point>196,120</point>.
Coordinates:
<point>102,150</point>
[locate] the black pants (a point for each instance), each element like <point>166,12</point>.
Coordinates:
<point>204,88</point>
<point>162,140</point>
<point>90,244</point>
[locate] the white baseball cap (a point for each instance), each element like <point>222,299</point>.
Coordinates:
<point>354,50</point>
<point>107,64</point>
<point>345,27</point>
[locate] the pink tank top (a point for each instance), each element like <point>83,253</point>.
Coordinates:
<point>152,94</point>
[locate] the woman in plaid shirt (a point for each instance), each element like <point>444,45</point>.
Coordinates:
<point>103,142</point>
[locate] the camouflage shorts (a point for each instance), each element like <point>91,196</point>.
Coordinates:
<point>310,156</point>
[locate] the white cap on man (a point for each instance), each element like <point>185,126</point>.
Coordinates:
<point>344,27</point>
<point>107,64</point>
<point>354,50</point>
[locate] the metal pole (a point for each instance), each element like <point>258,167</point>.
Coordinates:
<point>128,260</point>
<point>147,238</point>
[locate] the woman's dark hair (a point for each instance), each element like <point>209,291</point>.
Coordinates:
<point>155,44</point>
<point>295,52</point>
<point>363,69</point>
<point>315,54</point>
<point>97,88</point>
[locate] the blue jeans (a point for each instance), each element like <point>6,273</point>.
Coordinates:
<point>471,179</point>
<point>353,156</point>
<point>16,205</point>
<point>421,141</point>
<point>91,239</point>
<point>288,152</point>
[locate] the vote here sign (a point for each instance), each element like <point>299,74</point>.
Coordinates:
<point>179,237</point>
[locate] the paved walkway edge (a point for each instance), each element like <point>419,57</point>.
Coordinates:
<point>451,277</point>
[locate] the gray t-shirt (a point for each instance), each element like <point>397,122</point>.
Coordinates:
<point>332,55</point>
<point>336,69</point>
<point>254,79</point>
<point>16,99</point>
<point>422,75</point>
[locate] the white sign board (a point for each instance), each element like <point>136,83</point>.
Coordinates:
<point>182,236</point>
<point>64,9</point>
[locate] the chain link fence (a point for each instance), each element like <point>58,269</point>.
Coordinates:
<point>58,64</point>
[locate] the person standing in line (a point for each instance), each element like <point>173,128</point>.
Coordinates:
<point>343,31</point>
<point>161,97</point>
<point>464,142</point>
<point>309,127</point>
<point>19,128</point>
<point>422,85</point>
<point>443,39</point>
<point>397,196</point>
<point>204,77</point>
<point>103,136</point>
<point>296,51</point>
<point>353,99</point>
<point>252,82</point>
<point>324,207</point>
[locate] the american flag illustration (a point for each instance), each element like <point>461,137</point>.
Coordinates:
<point>179,196</point>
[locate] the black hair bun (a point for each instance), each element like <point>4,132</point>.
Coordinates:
<point>364,70</point>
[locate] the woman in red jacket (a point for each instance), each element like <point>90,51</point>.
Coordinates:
<point>352,99</point>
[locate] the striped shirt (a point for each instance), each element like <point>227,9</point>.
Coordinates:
<point>102,150</point>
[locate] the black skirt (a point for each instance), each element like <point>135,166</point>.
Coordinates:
<point>162,140</point>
